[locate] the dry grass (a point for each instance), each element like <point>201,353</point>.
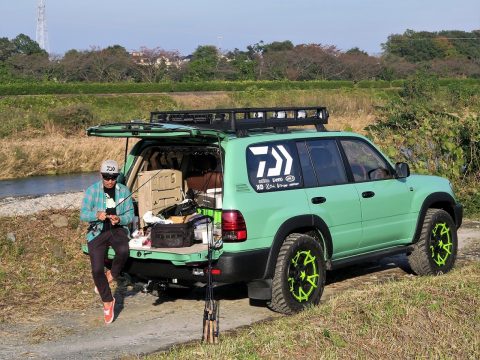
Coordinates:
<point>56,154</point>
<point>48,151</point>
<point>44,269</point>
<point>420,317</point>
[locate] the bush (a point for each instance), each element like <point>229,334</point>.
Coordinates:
<point>434,137</point>
<point>72,118</point>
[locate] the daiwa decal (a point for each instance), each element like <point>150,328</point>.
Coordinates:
<point>272,167</point>
<point>281,156</point>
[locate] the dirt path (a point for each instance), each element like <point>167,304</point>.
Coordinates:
<point>148,323</point>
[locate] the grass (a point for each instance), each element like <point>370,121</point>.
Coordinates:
<point>419,317</point>
<point>27,123</point>
<point>43,268</point>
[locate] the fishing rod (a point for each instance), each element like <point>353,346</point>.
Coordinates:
<point>211,312</point>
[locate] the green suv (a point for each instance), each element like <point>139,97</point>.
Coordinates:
<point>287,200</point>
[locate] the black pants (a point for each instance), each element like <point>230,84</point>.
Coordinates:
<point>116,238</point>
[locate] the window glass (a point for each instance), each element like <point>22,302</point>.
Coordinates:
<point>327,162</point>
<point>273,166</point>
<point>365,162</point>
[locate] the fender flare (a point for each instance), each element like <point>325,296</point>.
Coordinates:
<point>290,226</point>
<point>435,198</point>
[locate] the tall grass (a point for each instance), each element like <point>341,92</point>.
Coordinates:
<point>39,115</point>
<point>416,318</point>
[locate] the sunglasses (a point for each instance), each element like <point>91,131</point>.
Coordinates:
<point>109,176</point>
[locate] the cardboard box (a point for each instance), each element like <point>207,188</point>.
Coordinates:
<point>162,188</point>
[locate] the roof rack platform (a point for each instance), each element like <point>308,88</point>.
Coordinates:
<point>240,120</point>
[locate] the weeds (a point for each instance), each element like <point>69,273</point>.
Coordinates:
<point>423,128</point>
<point>421,317</point>
<point>43,267</point>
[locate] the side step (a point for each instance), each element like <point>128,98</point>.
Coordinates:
<point>376,255</point>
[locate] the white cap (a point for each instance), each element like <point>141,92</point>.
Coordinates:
<point>109,167</point>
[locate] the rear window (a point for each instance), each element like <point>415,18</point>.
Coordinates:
<point>273,166</point>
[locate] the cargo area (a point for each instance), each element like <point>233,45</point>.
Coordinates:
<point>177,195</point>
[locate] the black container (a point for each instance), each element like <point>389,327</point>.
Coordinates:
<point>172,235</point>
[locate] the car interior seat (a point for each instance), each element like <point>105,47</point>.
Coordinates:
<point>204,174</point>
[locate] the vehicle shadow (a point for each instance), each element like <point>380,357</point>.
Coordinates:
<point>369,268</point>
<point>237,291</point>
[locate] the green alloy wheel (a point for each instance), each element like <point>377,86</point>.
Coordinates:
<point>299,276</point>
<point>436,250</point>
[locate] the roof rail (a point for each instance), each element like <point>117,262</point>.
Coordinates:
<point>240,120</point>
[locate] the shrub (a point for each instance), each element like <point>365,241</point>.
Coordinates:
<point>71,118</point>
<point>433,136</point>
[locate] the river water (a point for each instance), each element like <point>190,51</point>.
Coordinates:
<point>51,184</point>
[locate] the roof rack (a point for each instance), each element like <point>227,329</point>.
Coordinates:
<point>240,120</point>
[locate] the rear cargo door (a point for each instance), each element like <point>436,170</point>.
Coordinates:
<point>165,135</point>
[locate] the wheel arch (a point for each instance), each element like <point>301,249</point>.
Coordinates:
<point>305,224</point>
<point>438,200</point>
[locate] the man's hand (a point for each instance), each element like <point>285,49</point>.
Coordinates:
<point>101,215</point>
<point>114,219</point>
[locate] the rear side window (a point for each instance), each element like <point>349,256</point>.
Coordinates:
<point>327,162</point>
<point>273,166</point>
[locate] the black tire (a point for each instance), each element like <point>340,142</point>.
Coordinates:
<point>435,251</point>
<point>299,276</point>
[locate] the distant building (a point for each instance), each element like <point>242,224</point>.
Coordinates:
<point>158,58</point>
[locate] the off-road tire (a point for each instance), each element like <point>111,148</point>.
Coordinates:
<point>435,251</point>
<point>299,276</point>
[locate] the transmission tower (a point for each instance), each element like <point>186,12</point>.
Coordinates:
<point>42,35</point>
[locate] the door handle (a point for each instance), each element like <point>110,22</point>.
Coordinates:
<point>318,200</point>
<point>368,194</point>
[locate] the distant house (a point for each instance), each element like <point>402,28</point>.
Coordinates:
<point>157,58</point>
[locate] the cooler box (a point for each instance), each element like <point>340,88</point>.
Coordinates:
<point>172,235</point>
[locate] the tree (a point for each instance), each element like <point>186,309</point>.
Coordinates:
<point>25,45</point>
<point>153,64</point>
<point>241,64</point>
<point>426,46</point>
<point>7,48</point>
<point>204,64</point>
<point>278,46</point>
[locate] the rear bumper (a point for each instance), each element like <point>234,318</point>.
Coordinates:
<point>234,267</point>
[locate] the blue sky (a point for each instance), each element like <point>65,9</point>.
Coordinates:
<point>184,24</point>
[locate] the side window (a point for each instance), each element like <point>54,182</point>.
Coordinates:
<point>365,162</point>
<point>273,166</point>
<point>327,162</point>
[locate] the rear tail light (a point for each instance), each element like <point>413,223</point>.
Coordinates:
<point>233,226</point>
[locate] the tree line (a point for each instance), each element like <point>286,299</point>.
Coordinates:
<point>444,53</point>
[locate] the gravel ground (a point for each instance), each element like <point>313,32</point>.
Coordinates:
<point>12,206</point>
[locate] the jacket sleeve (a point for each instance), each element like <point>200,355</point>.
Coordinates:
<point>87,212</point>
<point>127,212</point>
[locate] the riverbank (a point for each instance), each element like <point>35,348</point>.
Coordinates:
<point>18,206</point>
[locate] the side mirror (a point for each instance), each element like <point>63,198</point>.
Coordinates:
<point>402,169</point>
